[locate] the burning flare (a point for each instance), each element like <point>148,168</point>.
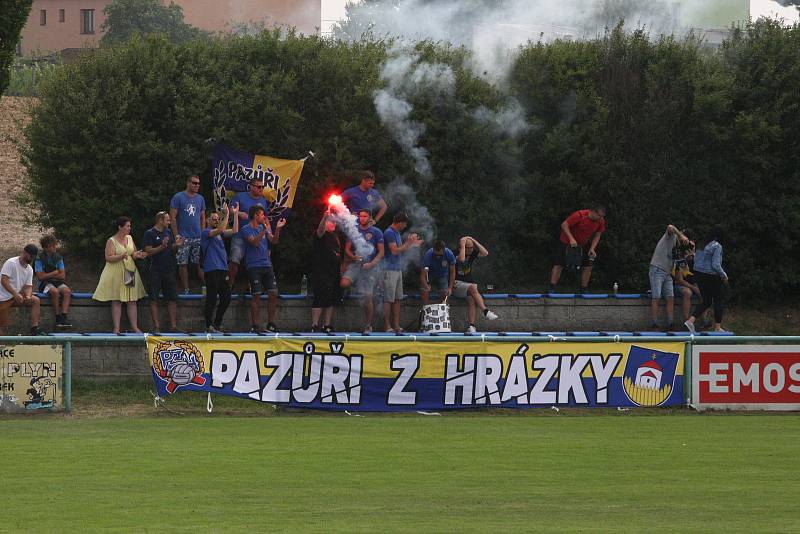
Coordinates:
<point>335,200</point>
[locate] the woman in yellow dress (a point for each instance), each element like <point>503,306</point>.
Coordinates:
<point>120,268</point>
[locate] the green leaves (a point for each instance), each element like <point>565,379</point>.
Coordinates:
<point>661,131</point>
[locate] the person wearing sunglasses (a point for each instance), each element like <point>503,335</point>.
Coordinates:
<point>187,213</point>
<point>254,196</point>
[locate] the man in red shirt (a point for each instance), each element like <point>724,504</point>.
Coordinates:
<point>576,231</point>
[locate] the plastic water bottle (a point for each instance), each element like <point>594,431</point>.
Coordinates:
<point>616,288</point>
<point>304,285</point>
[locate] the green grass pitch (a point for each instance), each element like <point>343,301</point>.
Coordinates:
<point>456,473</point>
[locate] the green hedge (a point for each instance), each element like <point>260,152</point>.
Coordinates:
<point>661,131</point>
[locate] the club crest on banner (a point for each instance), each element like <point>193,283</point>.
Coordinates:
<point>178,363</point>
<point>649,376</point>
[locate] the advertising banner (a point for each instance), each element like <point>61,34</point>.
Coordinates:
<point>30,377</point>
<point>746,377</point>
<point>233,170</point>
<point>404,375</point>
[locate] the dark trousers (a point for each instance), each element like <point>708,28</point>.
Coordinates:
<point>711,293</point>
<point>216,288</point>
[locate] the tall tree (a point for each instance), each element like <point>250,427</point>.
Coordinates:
<point>13,14</point>
<point>125,18</point>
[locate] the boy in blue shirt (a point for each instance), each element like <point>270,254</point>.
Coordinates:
<point>254,196</point>
<point>394,248</point>
<point>438,272</point>
<point>365,254</point>
<point>257,236</point>
<point>49,269</point>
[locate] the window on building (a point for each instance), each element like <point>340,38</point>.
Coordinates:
<point>87,20</point>
<point>43,17</point>
<point>61,15</point>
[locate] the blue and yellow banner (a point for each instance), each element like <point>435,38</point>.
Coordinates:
<point>233,170</point>
<point>406,375</point>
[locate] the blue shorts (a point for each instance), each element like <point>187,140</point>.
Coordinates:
<point>262,278</point>
<point>660,283</point>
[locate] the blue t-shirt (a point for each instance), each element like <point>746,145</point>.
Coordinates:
<point>391,261</point>
<point>438,266</point>
<point>189,213</point>
<point>245,203</point>
<point>255,256</point>
<point>355,199</point>
<point>373,236</point>
<point>57,262</point>
<point>162,262</point>
<point>214,256</point>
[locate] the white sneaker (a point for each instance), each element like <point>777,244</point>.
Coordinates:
<point>471,329</point>
<point>367,330</point>
<point>491,315</point>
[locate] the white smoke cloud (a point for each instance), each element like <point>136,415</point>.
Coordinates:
<point>348,223</point>
<point>404,77</point>
<point>509,120</point>
<point>400,196</point>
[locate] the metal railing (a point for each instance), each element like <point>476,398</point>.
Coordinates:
<point>67,341</point>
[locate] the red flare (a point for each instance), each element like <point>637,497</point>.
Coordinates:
<point>335,200</point>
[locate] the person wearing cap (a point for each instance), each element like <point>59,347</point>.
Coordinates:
<point>254,196</point>
<point>16,289</point>
<point>364,196</point>
<point>187,215</point>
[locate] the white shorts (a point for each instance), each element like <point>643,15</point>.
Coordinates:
<point>392,286</point>
<point>460,289</point>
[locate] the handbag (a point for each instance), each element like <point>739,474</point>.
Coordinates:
<point>129,278</point>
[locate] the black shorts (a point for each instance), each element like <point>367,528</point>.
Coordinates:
<point>165,283</point>
<point>560,256</point>
<point>261,279</point>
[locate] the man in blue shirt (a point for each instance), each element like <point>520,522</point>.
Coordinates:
<point>254,196</point>
<point>257,235</point>
<point>215,265</point>
<point>394,248</point>
<point>438,271</point>
<point>364,196</point>
<point>365,253</point>
<point>187,212</point>
<point>159,246</point>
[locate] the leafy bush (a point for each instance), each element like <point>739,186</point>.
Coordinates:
<point>659,130</point>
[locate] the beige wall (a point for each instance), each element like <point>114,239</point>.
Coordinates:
<point>57,35</point>
<point>217,15</point>
<point>212,15</point>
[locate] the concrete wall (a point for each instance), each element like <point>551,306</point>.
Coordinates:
<point>516,315</point>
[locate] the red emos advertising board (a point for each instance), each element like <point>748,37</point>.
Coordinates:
<point>746,377</point>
